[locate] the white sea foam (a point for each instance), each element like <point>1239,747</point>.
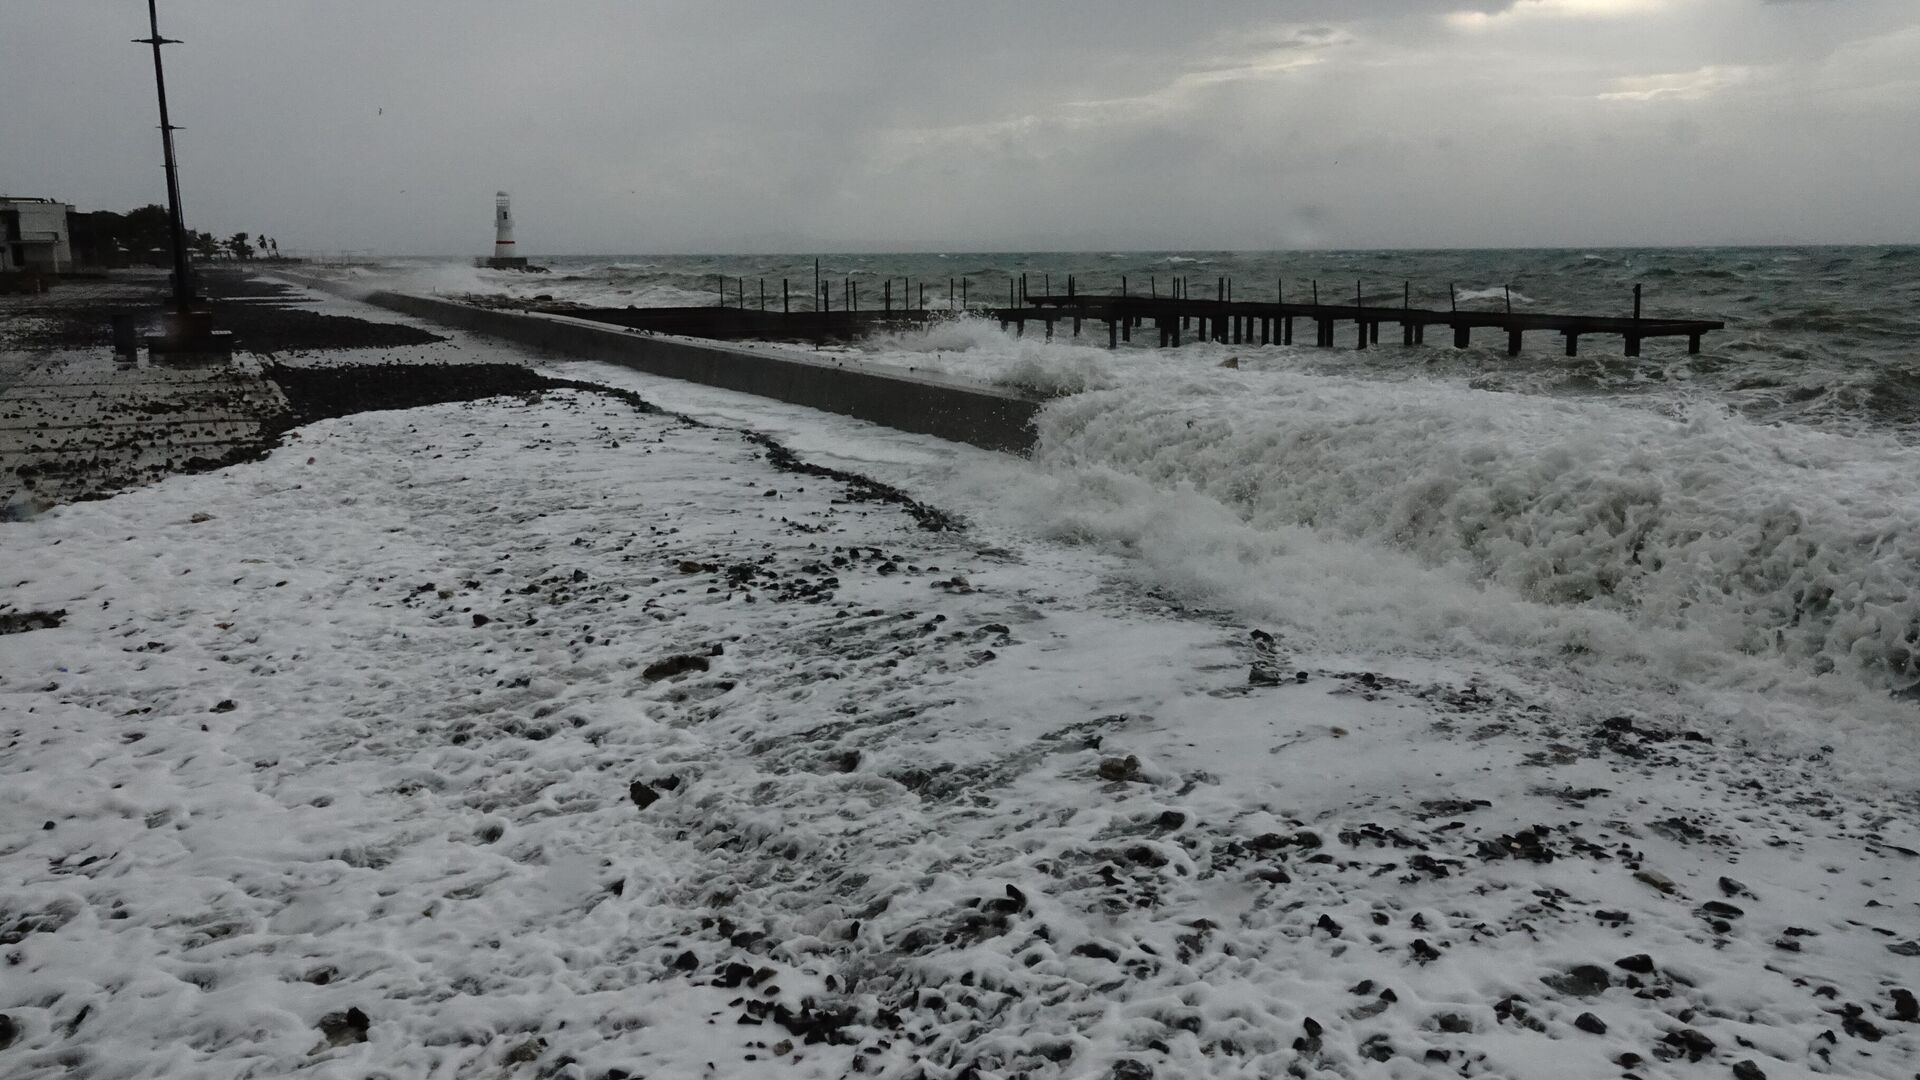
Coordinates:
<point>1688,547</point>
<point>1493,292</point>
<point>977,348</point>
<point>1706,548</point>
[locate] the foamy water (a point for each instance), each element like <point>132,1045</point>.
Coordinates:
<point>1746,520</point>
<point>1423,513</point>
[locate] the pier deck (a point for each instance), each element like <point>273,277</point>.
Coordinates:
<point>1172,318</point>
<point>1264,323</point>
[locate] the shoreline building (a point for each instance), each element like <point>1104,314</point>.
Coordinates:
<point>34,235</point>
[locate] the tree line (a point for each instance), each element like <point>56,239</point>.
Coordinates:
<point>133,236</point>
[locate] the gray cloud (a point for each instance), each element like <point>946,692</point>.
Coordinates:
<point>350,124</point>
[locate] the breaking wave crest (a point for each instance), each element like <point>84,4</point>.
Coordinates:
<point>1711,534</point>
<point>977,348</point>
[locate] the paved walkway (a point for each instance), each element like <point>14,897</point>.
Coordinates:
<point>76,423</point>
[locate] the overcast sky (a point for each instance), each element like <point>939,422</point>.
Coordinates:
<point>339,125</point>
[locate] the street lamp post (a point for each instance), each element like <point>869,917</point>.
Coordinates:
<point>182,285</point>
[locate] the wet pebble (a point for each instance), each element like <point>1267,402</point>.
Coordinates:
<point>1585,980</point>
<point>342,1028</point>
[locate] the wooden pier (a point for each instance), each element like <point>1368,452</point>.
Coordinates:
<point>1172,320</point>
<point>1258,322</point>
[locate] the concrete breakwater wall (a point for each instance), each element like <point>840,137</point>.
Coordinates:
<point>985,416</point>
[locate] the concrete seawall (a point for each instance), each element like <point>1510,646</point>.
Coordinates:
<point>985,416</point>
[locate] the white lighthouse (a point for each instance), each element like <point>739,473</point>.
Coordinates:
<point>502,226</point>
<point>503,253</point>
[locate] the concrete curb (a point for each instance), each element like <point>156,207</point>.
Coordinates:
<point>985,416</point>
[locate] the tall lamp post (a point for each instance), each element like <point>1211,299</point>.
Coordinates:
<point>182,285</point>
<point>187,332</point>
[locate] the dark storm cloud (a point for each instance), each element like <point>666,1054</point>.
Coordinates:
<point>349,124</point>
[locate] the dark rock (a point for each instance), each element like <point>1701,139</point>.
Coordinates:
<point>643,795</point>
<point>686,961</point>
<point>1131,1069</point>
<point>1905,948</point>
<point>1453,807</point>
<point>9,1031</point>
<point>1694,1044</point>
<point>342,1028</point>
<point>1453,1023</point>
<point>1638,963</point>
<point>1857,1025</point>
<point>1733,888</point>
<point>1590,1024</point>
<point>224,706</point>
<point>480,620</point>
<point>1747,1070</point>
<point>1628,1060</point>
<point>1586,980</point>
<point>1377,1047</point>
<point>1273,841</point>
<point>1325,922</point>
<point>19,622</point>
<point>1096,950</point>
<point>1171,819</point>
<point>1720,910</point>
<point>1905,1007</point>
<point>674,665</point>
<point>1125,769</point>
<point>1527,844</point>
<point>1308,1043</point>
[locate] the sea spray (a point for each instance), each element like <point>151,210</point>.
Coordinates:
<point>1767,540</point>
<point>977,348</point>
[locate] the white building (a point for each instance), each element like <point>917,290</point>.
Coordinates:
<point>33,235</point>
